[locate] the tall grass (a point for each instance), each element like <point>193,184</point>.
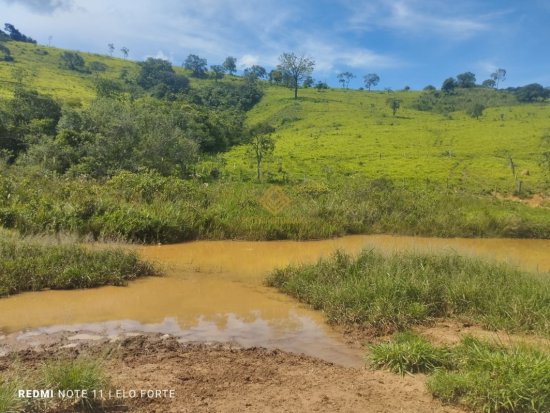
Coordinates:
<point>386,293</point>
<point>146,207</point>
<point>79,374</point>
<point>486,377</point>
<point>27,265</point>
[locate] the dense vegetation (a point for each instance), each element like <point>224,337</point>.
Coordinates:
<point>481,375</point>
<point>27,265</point>
<point>387,293</point>
<point>150,152</point>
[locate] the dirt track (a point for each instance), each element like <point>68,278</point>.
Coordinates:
<point>223,378</point>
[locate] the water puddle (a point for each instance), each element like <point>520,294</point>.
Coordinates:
<point>213,291</point>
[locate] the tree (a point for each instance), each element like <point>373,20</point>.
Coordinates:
<point>498,76</point>
<point>466,80</point>
<point>532,92</point>
<point>295,69</point>
<point>196,65</point>
<point>111,48</point>
<point>371,80</point>
<point>125,51</point>
<point>261,144</point>
<point>218,71</point>
<point>321,86</point>
<point>429,88</point>
<point>230,65</point>
<point>158,73</point>
<point>308,82</point>
<point>16,35</point>
<point>275,76</point>
<point>255,72</point>
<point>72,61</point>
<point>475,110</point>
<point>489,83</point>
<point>449,85</point>
<point>344,78</point>
<point>394,104</point>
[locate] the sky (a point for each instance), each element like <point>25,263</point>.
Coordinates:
<point>406,42</point>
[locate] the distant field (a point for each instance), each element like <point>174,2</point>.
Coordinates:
<point>340,133</point>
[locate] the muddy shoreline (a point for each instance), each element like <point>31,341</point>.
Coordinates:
<point>216,377</point>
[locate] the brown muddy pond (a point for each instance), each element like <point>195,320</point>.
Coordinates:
<point>213,291</point>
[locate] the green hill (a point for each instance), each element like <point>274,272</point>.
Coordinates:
<point>155,164</point>
<point>336,134</point>
<point>38,67</point>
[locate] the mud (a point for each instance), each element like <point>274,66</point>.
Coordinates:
<point>227,378</point>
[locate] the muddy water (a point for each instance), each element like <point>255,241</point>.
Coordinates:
<point>213,291</point>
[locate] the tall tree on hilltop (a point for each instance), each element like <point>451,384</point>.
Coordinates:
<point>196,64</point>
<point>466,80</point>
<point>344,78</point>
<point>230,65</point>
<point>499,76</point>
<point>371,80</point>
<point>295,69</point>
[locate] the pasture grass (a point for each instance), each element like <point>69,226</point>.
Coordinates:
<point>483,376</point>
<point>149,208</point>
<point>385,293</point>
<point>32,265</point>
<point>339,134</point>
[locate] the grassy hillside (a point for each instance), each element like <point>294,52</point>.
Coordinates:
<point>335,134</point>
<point>38,67</point>
<point>345,163</point>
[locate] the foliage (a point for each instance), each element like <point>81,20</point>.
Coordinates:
<point>230,65</point>
<point>532,93</point>
<point>197,65</point>
<point>295,69</point>
<point>16,35</point>
<point>449,85</point>
<point>371,80</point>
<point>255,72</point>
<point>498,76</point>
<point>26,117</point>
<point>466,80</point>
<point>241,96</point>
<point>159,76</point>
<point>386,293</point>
<point>475,110</point>
<point>394,104</point>
<point>261,145</point>
<point>344,78</point>
<point>72,61</point>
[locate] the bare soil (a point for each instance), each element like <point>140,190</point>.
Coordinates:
<point>226,378</point>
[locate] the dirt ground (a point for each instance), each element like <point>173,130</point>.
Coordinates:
<point>226,378</point>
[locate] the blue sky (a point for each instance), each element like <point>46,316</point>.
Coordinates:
<point>406,42</point>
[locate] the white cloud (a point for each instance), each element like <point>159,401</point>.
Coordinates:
<point>429,17</point>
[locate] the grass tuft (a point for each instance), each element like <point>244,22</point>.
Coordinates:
<point>408,353</point>
<point>82,374</point>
